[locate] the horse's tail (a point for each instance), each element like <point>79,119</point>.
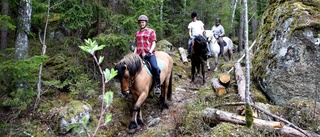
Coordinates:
<point>169,94</point>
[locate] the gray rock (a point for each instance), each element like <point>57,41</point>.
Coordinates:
<point>290,62</point>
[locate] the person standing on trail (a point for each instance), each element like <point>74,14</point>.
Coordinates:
<point>145,41</point>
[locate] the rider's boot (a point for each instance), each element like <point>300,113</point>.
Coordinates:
<point>157,91</point>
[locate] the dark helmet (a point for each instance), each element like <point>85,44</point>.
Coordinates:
<point>193,14</point>
<point>218,20</point>
<point>143,18</point>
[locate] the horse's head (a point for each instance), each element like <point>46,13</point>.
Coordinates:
<point>208,34</point>
<point>127,68</point>
<point>200,44</point>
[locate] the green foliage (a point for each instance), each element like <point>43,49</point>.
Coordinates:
<point>6,23</point>
<point>83,86</point>
<point>39,12</point>
<point>78,16</point>
<point>18,79</point>
<point>108,98</point>
<point>91,46</point>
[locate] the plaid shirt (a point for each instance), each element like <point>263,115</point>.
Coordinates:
<point>144,39</point>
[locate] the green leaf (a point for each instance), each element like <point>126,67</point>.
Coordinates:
<point>107,118</point>
<point>108,98</point>
<point>106,75</point>
<point>101,59</point>
<point>110,74</point>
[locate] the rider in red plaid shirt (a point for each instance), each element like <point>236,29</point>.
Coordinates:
<point>145,46</point>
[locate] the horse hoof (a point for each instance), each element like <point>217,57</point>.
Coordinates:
<point>131,131</point>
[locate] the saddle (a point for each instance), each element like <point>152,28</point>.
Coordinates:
<point>147,65</point>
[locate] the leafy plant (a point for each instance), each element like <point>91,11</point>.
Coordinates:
<point>91,47</point>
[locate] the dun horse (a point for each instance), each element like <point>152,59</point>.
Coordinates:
<point>136,79</point>
<point>198,57</point>
<point>215,48</point>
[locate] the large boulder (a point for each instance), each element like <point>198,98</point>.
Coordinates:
<point>287,59</point>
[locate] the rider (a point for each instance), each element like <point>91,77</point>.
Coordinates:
<point>195,29</point>
<point>145,41</point>
<point>218,32</point>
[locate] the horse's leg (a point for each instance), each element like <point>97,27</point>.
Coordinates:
<point>136,110</point>
<point>198,69</point>
<point>164,93</point>
<point>208,65</point>
<point>224,57</point>
<point>193,70</point>
<point>230,54</point>
<point>203,72</point>
<point>216,61</point>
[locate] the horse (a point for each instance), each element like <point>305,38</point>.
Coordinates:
<point>198,57</point>
<point>215,48</point>
<point>136,79</point>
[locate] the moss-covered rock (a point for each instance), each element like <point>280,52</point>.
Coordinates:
<point>286,59</point>
<point>74,114</point>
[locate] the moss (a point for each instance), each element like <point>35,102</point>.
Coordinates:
<point>249,116</point>
<point>303,113</point>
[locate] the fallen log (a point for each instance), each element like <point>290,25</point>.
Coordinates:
<point>241,81</point>
<point>307,133</point>
<point>183,56</point>
<point>216,116</point>
<point>220,89</point>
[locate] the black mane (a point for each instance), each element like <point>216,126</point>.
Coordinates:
<point>132,62</point>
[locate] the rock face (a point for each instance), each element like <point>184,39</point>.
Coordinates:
<point>287,59</point>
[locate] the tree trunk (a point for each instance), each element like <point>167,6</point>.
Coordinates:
<point>240,38</point>
<point>254,21</point>
<point>4,30</point>
<point>216,116</point>
<point>234,7</point>
<point>99,28</point>
<point>220,90</point>
<point>24,23</point>
<point>183,56</point>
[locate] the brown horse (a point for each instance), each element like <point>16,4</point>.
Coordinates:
<point>136,80</point>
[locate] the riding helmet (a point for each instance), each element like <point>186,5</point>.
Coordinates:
<point>218,20</point>
<point>143,18</point>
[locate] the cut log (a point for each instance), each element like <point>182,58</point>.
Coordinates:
<point>220,89</point>
<point>224,78</point>
<point>183,56</point>
<point>216,116</point>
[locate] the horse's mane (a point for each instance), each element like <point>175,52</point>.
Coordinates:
<point>132,62</point>
<point>200,45</point>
